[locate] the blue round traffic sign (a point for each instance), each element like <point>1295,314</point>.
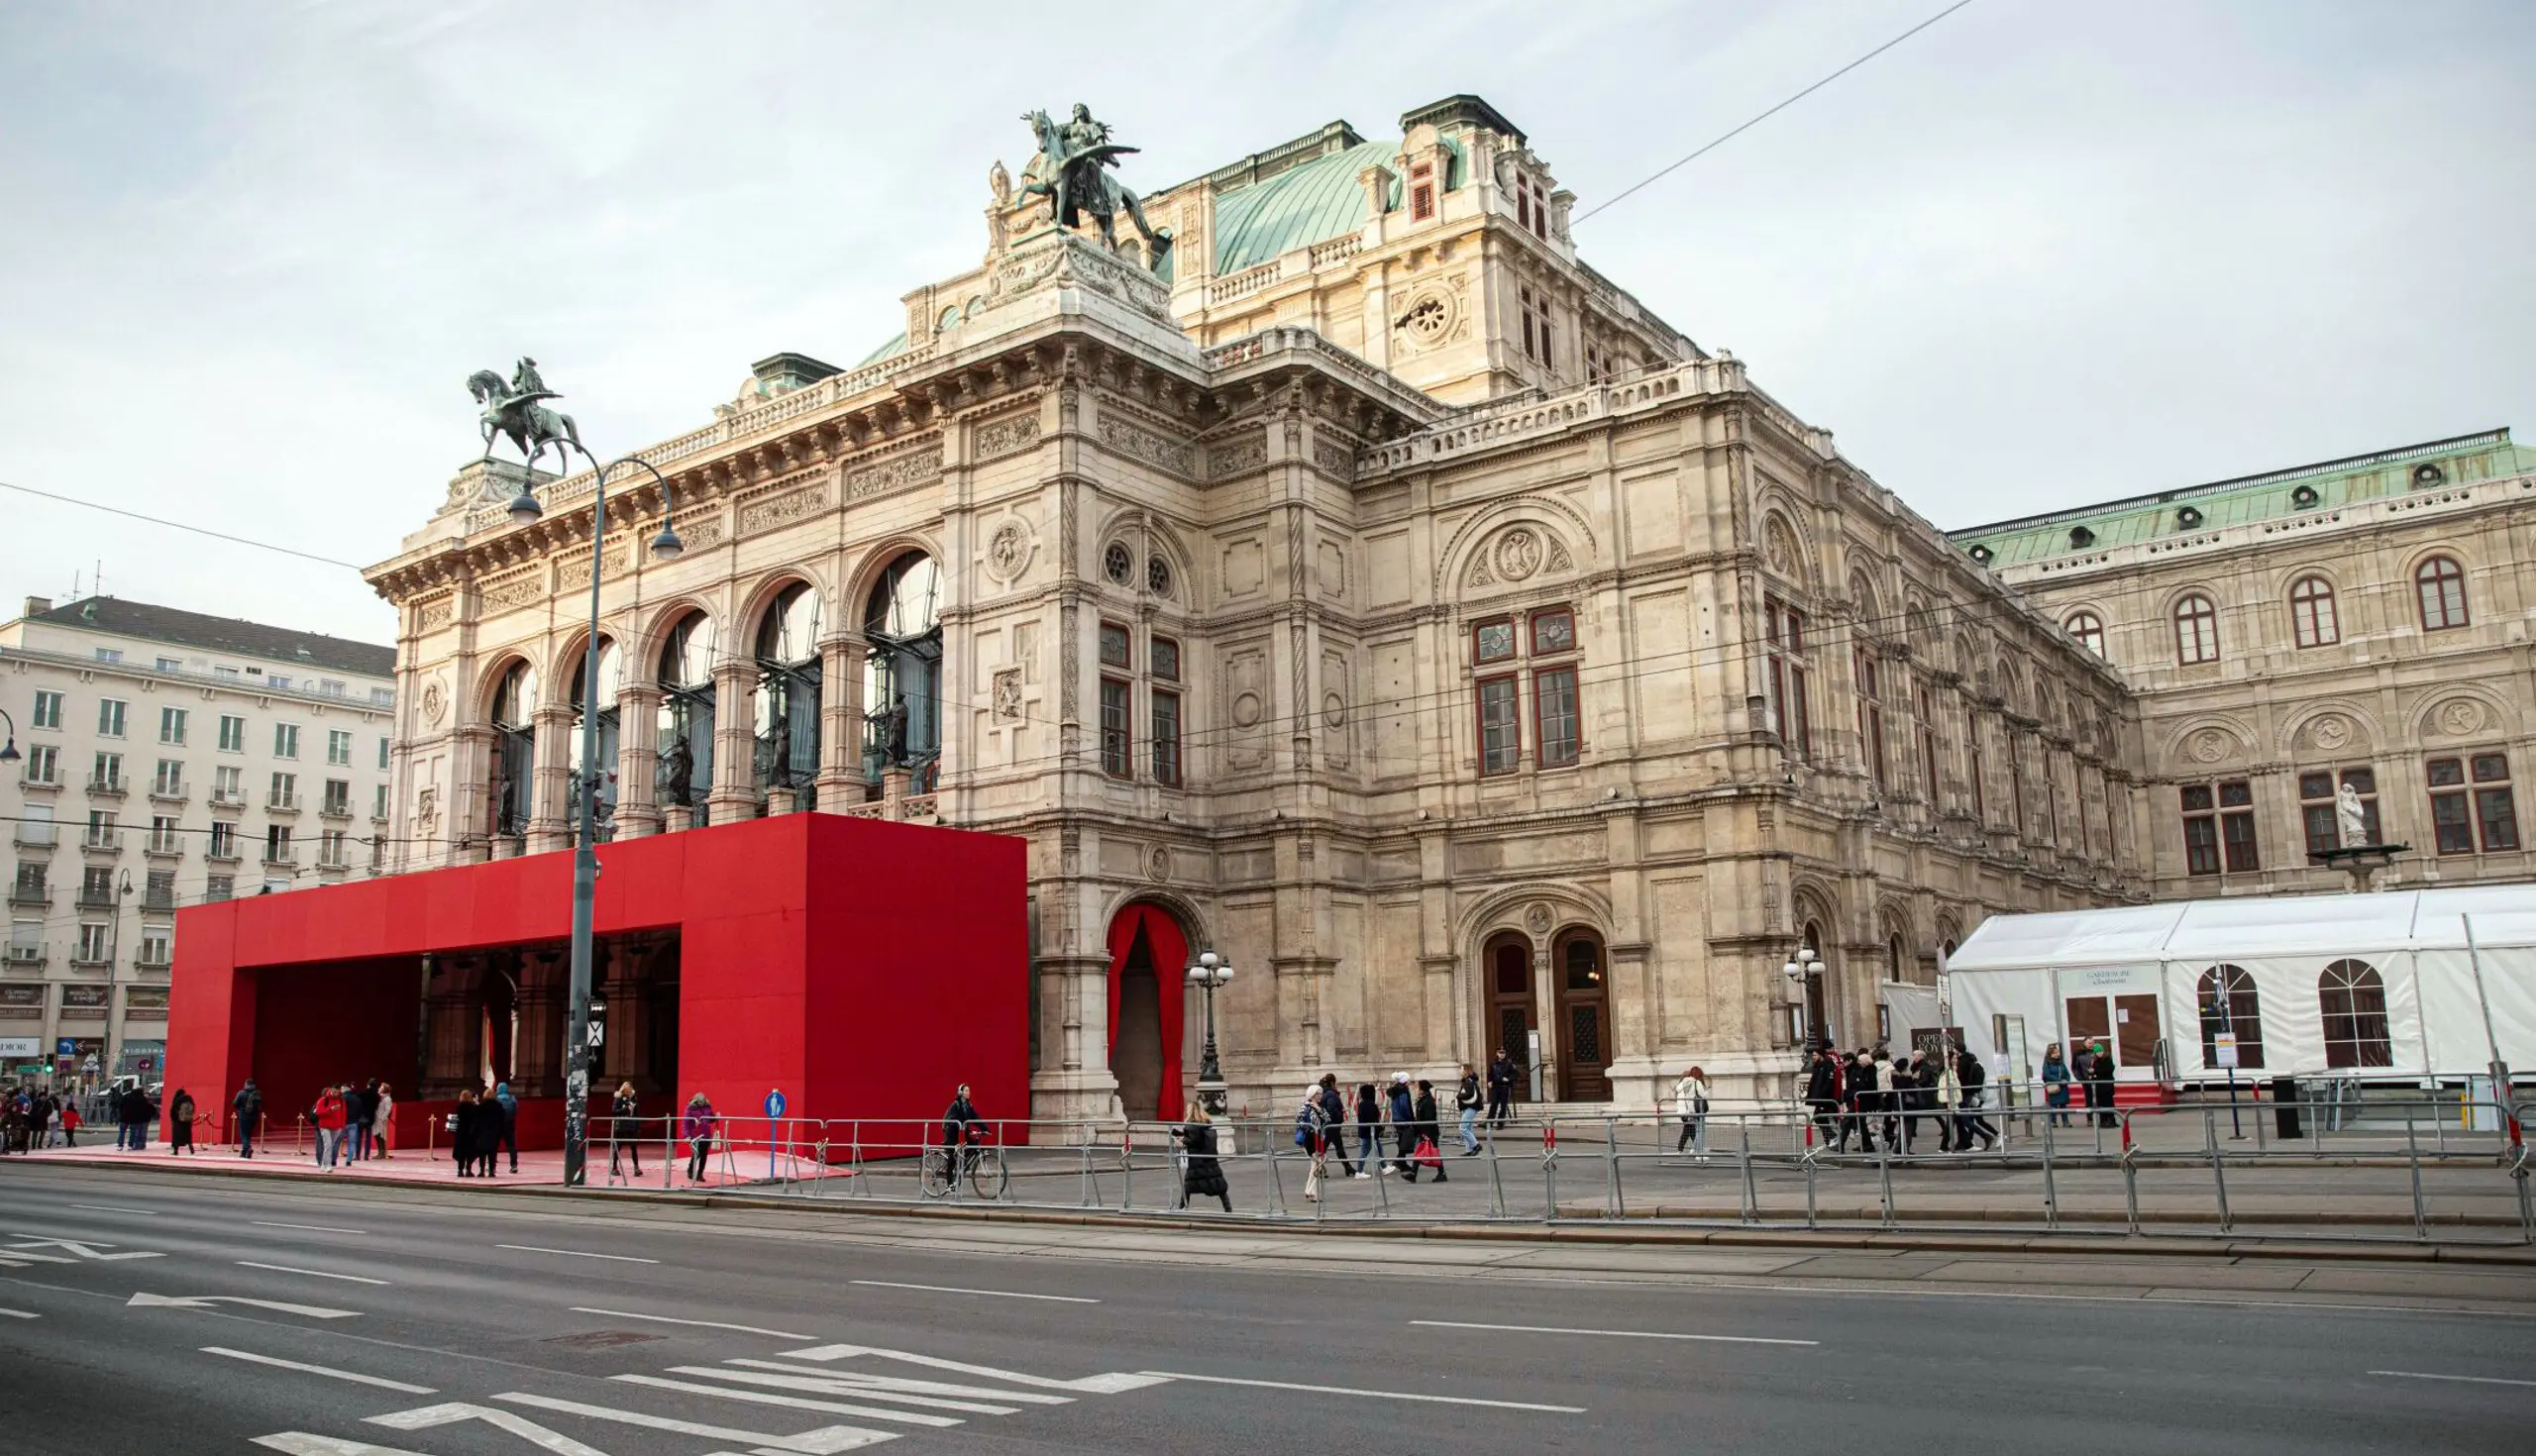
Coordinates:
<point>775,1102</point>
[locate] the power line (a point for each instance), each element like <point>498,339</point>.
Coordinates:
<point>116,510</point>
<point>1774,111</point>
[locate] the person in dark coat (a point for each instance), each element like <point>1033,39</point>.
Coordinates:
<point>1401,1110</point>
<point>1430,1127</point>
<point>181,1122</point>
<point>1823,1090</point>
<point>1369,1132</point>
<point>1334,1121</point>
<point>492,1129</point>
<point>462,1133</point>
<point>1501,1088</point>
<point>1204,1177</point>
<point>2100,1083</point>
<point>249,1109</point>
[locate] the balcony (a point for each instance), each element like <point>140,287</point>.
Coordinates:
<point>286,860</point>
<point>173,793</point>
<point>164,846</point>
<point>30,896</point>
<point>77,962</point>
<point>108,789</point>
<point>281,804</point>
<point>336,809</point>
<point>224,800</point>
<point>153,968</point>
<point>96,899</point>
<point>218,853</point>
<point>36,836</point>
<point>40,786</point>
<point>26,957</point>
<point>107,842</point>
<point>160,900</point>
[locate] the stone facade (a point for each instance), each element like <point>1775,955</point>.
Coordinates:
<point>2360,620</point>
<point>1409,615</point>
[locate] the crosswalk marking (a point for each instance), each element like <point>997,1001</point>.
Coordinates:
<point>797,1402</point>
<point>328,1371</point>
<point>1111,1384</point>
<point>823,1442</point>
<point>911,1392</point>
<point>426,1417</point>
<point>301,1443</point>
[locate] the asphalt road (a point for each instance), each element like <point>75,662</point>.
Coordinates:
<point>448,1325</point>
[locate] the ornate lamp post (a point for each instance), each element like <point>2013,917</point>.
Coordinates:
<point>9,751</point>
<point>519,411</point>
<point>1210,972</point>
<point>1804,970</point>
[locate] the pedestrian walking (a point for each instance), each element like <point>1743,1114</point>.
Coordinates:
<point>463,1138</point>
<point>1888,1101</point>
<point>697,1129</point>
<point>624,1128</point>
<point>1690,1104</point>
<point>1309,1136</point>
<point>1429,1144</point>
<point>1501,1088</point>
<point>357,1113</point>
<point>248,1107</point>
<point>1201,1175</point>
<point>510,1122</point>
<point>13,1124</point>
<point>1369,1133</point>
<point>73,1121</point>
<point>2056,1085</point>
<point>1903,1096</point>
<point>1400,1109</point>
<point>1334,1122</point>
<point>1947,1102</point>
<point>1466,1102</point>
<point>382,1120</point>
<point>181,1122</point>
<point>1857,1102</point>
<point>1974,1076</point>
<point>2102,1085</point>
<point>330,1115</point>
<point>1823,1090</point>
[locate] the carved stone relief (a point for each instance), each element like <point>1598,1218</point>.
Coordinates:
<point>1241,456</point>
<point>1007,694</point>
<point>435,701</point>
<point>778,510</point>
<point>1139,443</point>
<point>1010,548</point>
<point>2458,717</point>
<point>1007,435</point>
<point>896,472</point>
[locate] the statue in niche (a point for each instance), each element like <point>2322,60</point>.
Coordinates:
<point>779,772</point>
<point>898,729</point>
<point>682,767</point>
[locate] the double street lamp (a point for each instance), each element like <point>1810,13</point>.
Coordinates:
<point>525,509</point>
<point>1804,970</point>
<point>1208,974</point>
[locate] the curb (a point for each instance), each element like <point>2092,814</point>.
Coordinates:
<point>2315,1248</point>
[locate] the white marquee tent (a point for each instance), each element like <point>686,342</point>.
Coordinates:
<point>2362,984</point>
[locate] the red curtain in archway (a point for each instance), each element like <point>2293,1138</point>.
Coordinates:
<point>1169,950</point>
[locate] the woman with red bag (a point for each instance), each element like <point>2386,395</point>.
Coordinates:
<point>1429,1156</point>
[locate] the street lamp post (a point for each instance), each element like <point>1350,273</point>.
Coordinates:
<point>525,509</point>
<point>1207,975</point>
<point>1804,970</point>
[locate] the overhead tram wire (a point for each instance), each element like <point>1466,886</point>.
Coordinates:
<point>116,510</point>
<point>1730,136</point>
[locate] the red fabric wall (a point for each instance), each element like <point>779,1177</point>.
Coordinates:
<point>864,967</point>
<point>1169,949</point>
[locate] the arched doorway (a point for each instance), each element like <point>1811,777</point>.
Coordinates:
<point>686,723</point>
<point>788,693</point>
<point>1511,1020</point>
<point>514,763</point>
<point>1148,961</point>
<point>1584,1016</point>
<point>902,672</point>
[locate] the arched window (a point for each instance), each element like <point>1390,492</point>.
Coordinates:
<point>2354,1002</point>
<point>2442,584</point>
<point>2196,631</point>
<point>2311,612</point>
<point>1897,958</point>
<point>2228,1004</point>
<point>685,724</point>
<point>611,677</point>
<point>787,693</point>
<point>514,749</point>
<point>2087,630</point>
<point>902,672</point>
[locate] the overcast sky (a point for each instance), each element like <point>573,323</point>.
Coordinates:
<point>2040,254</point>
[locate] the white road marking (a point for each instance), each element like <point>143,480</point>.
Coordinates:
<point>874,1386</point>
<point>1281,1385</point>
<point>84,1248</point>
<point>2473,1380</point>
<point>301,1443</point>
<point>820,1442</point>
<point>327,1370</point>
<point>781,1334</point>
<point>1091,1385</point>
<point>311,1273</point>
<point>798,1403</point>
<point>575,1253</point>
<point>147,1301</point>
<point>1628,1334</point>
<point>939,1288</point>
<point>426,1417</point>
<point>17,1315</point>
<point>306,1227</point>
<point>111,1208</point>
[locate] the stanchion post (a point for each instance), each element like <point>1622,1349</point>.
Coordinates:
<point>2412,1155</point>
<point>2218,1169</point>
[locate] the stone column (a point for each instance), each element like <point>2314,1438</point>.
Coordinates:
<point>466,818</point>
<point>734,794</point>
<point>452,1020</point>
<point>537,1055</point>
<point>638,728</point>
<point>840,780</point>
<point>550,811</point>
<point>1545,1016</point>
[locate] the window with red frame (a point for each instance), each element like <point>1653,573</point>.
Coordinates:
<point>1422,191</point>
<point>1783,635</point>
<point>2196,631</point>
<point>2462,813</point>
<point>1870,712</point>
<point>2312,621</point>
<point>2442,584</point>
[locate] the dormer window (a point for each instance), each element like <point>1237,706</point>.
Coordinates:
<point>1422,191</point>
<point>2304,497</point>
<point>1981,554</point>
<point>2427,474</point>
<point>2187,516</point>
<point>1537,330</point>
<point>2080,538</point>
<point>1532,205</point>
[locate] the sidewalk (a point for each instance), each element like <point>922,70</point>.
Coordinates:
<point>434,1170</point>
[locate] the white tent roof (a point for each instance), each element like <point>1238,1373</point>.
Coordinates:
<point>2273,925</point>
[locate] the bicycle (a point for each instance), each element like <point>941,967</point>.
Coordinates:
<point>983,1160</point>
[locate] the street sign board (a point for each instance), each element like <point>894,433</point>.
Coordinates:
<point>2222,1050</point>
<point>775,1102</point>
<point>20,1046</point>
<point>67,1047</point>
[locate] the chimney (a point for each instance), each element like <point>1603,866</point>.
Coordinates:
<point>39,605</point>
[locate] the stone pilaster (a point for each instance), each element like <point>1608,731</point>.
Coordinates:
<point>638,758</point>
<point>840,781</point>
<point>549,805</point>
<point>734,792</point>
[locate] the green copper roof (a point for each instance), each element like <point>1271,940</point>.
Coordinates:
<point>1300,206</point>
<point>2293,492</point>
<point>898,345</point>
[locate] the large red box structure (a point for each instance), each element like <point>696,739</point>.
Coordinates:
<point>864,967</point>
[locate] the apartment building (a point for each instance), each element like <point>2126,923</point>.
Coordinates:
<point>167,758</point>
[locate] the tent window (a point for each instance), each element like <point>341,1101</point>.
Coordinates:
<point>2228,1004</point>
<point>2354,1002</point>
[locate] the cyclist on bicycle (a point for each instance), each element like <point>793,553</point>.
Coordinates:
<point>962,1127</point>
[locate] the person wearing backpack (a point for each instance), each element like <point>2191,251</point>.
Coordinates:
<point>249,1106</point>
<point>1401,1111</point>
<point>1969,1070</point>
<point>1334,1122</point>
<point>1309,1137</point>
<point>1369,1132</point>
<point>1467,1102</point>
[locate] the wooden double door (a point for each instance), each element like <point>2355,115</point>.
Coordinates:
<point>2126,1023</point>
<point>1580,1044</point>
